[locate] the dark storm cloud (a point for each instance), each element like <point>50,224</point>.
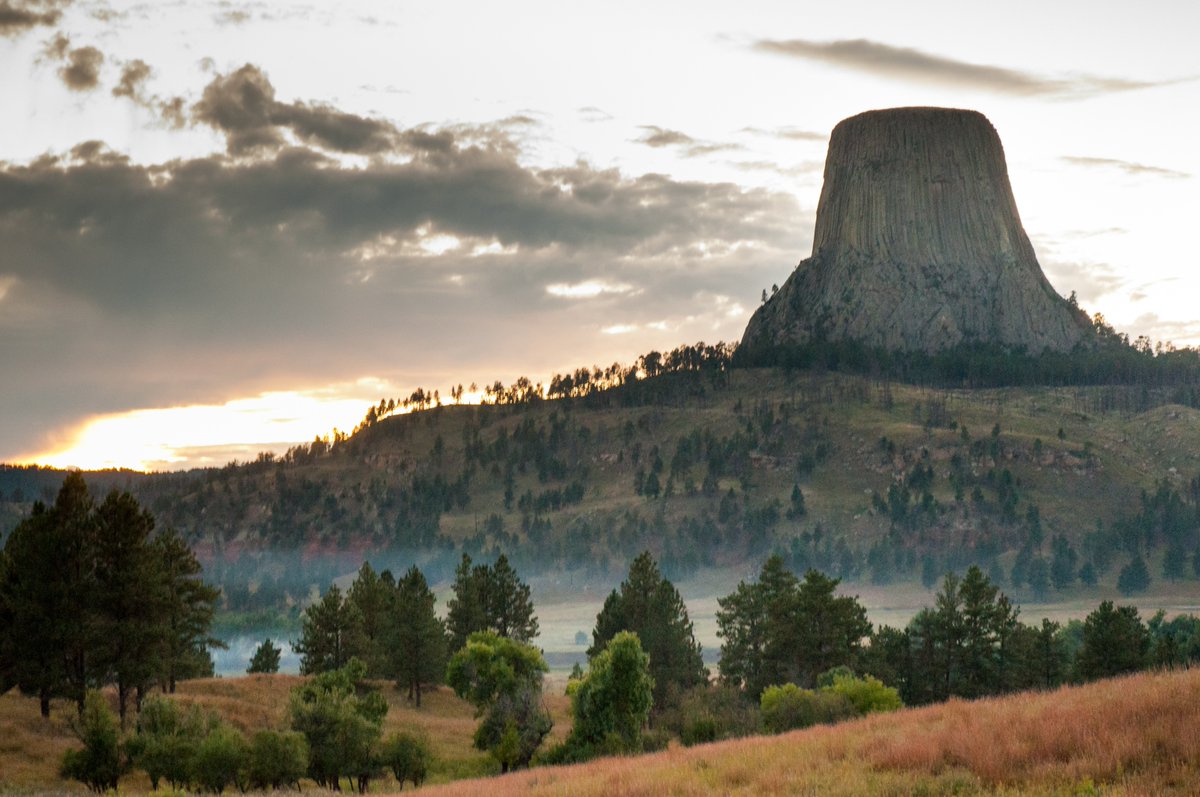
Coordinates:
<point>242,106</point>
<point>130,285</point>
<point>659,137</point>
<point>1128,167</point>
<point>905,63</point>
<point>19,16</point>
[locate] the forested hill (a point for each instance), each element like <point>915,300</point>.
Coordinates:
<point>870,480</point>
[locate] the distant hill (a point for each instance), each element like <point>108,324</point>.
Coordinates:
<point>872,480</point>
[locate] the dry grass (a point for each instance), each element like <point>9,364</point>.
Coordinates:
<point>1131,736</point>
<point>31,748</point>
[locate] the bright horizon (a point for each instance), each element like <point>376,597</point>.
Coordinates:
<point>229,228</point>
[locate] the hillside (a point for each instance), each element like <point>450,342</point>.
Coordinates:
<point>874,481</point>
<point>1128,736</point>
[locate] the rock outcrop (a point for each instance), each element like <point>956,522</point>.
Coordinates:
<point>918,245</point>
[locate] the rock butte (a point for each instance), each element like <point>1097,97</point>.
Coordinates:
<point>918,245</point>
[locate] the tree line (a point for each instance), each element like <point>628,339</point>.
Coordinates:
<point>91,595</point>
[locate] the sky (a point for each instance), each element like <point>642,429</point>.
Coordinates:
<point>227,227</point>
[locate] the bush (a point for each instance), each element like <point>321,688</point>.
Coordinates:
<point>276,760</point>
<point>219,759</point>
<point>101,762</point>
<point>710,713</point>
<point>166,740</point>
<point>407,756</point>
<point>867,694</point>
<point>788,707</point>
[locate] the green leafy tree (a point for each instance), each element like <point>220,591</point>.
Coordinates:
<point>650,606</point>
<point>341,720</point>
<point>166,740</point>
<point>330,634</point>
<point>276,760</point>
<point>1114,642</point>
<point>220,759</point>
<point>408,757</point>
<point>502,678</point>
<point>102,761</point>
<point>417,638</point>
<point>612,702</point>
<point>265,659</point>
<point>867,695</point>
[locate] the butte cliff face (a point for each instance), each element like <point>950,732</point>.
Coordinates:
<point>918,245</point>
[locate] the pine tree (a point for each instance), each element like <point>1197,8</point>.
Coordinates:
<point>509,604</point>
<point>466,612</point>
<point>130,599</point>
<point>1134,577</point>
<point>330,634</point>
<point>417,639</point>
<point>372,599</point>
<point>265,659</point>
<point>188,611</point>
<point>651,607</point>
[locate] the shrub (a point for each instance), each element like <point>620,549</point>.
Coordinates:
<point>219,759</point>
<point>709,713</point>
<point>788,707</point>
<point>276,759</point>
<point>166,740</point>
<point>867,694</point>
<point>101,762</point>
<point>407,756</point>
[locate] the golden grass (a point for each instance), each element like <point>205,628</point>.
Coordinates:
<point>31,748</point>
<point>1132,736</point>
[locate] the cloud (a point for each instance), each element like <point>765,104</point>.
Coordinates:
<point>787,133</point>
<point>903,63</point>
<point>242,106</point>
<point>590,113</point>
<point>589,289</point>
<point>1128,167</point>
<point>131,84</point>
<point>80,67</point>
<point>199,280</point>
<point>659,137</point>
<point>19,16</point>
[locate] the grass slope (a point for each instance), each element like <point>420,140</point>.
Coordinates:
<point>31,748</point>
<point>1138,735</point>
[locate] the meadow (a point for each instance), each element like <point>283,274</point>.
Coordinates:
<point>1138,735</point>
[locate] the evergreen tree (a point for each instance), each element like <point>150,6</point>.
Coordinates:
<point>1062,565</point>
<point>510,607</point>
<point>1134,577</point>
<point>188,611</point>
<point>650,606</point>
<point>265,658</point>
<point>330,634</point>
<point>32,600</point>
<point>1114,641</point>
<point>417,639</point>
<point>130,599</point>
<point>372,600</point>
<point>466,612</point>
<point>746,621</point>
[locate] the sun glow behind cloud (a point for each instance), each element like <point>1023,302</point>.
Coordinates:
<point>175,437</point>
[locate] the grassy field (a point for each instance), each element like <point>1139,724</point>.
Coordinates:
<point>1138,735</point>
<point>1131,736</point>
<point>31,748</point>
